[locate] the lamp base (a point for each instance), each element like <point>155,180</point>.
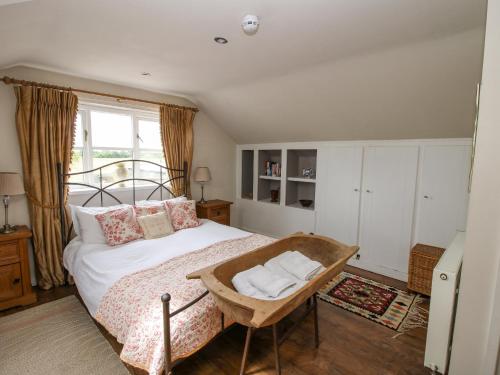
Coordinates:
<point>202,200</point>
<point>7,229</point>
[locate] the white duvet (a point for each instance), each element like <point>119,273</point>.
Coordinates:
<point>95,268</point>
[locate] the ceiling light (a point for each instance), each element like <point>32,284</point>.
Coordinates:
<point>220,40</point>
<point>146,74</point>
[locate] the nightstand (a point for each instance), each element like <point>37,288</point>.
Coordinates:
<point>216,210</point>
<point>15,281</point>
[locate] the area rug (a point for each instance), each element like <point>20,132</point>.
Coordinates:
<point>57,338</point>
<point>385,305</point>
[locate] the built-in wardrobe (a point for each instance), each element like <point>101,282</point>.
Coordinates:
<point>384,196</point>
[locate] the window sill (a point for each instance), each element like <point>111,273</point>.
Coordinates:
<point>88,191</point>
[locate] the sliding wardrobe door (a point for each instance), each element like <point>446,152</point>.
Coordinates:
<point>388,196</point>
<point>339,185</point>
<point>442,196</point>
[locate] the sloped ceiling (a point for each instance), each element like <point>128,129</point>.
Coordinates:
<point>332,69</point>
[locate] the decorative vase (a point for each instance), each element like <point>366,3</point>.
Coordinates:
<point>275,194</point>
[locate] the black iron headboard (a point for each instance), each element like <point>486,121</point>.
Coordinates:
<point>102,190</point>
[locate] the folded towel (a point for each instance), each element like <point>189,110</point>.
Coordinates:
<point>264,280</point>
<point>243,286</point>
<point>299,265</point>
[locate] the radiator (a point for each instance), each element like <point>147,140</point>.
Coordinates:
<point>445,281</point>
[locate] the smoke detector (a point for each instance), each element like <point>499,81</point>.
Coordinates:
<point>250,24</point>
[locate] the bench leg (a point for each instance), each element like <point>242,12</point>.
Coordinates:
<point>276,349</point>
<point>316,327</point>
<point>245,351</point>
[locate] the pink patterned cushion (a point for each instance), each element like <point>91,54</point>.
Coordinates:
<point>120,226</point>
<point>183,214</point>
<point>148,210</point>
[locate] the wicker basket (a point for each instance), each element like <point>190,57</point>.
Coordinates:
<point>423,259</point>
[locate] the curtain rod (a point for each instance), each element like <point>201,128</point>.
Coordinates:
<point>13,81</point>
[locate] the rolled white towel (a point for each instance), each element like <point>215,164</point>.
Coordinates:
<point>271,284</point>
<point>299,265</point>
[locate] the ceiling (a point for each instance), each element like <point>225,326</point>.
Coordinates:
<point>299,43</point>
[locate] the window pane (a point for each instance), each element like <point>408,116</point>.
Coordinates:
<point>111,129</point>
<point>149,134</point>
<point>114,172</point>
<point>76,166</point>
<point>78,131</point>
<point>150,171</point>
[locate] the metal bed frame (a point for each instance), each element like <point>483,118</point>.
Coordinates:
<point>103,190</point>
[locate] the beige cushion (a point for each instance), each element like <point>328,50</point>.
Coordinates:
<point>156,225</point>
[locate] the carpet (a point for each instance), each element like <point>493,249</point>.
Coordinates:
<point>57,338</point>
<point>388,306</point>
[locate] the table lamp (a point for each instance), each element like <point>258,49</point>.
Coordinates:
<point>202,176</point>
<point>10,184</point>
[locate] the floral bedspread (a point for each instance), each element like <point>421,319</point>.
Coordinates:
<point>131,310</point>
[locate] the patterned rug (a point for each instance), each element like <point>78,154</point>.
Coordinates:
<point>391,307</point>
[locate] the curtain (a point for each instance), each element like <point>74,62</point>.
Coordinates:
<point>45,121</point>
<point>176,126</point>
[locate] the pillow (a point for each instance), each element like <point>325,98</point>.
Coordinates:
<point>149,209</point>
<point>155,202</point>
<point>120,226</point>
<point>182,214</point>
<point>156,225</point>
<point>85,224</point>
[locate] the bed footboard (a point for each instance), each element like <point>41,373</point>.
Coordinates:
<point>167,315</point>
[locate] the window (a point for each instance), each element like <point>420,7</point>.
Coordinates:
<point>105,135</point>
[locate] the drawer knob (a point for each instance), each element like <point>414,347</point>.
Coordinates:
<point>17,280</point>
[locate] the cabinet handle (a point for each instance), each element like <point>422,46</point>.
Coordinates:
<point>356,190</point>
<point>426,196</point>
<point>369,191</point>
<point>16,281</point>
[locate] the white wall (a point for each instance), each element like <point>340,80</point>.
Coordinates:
<point>212,146</point>
<point>476,338</point>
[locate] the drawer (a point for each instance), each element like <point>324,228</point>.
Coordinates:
<point>9,253</point>
<point>11,285</point>
<point>218,212</point>
<point>221,220</point>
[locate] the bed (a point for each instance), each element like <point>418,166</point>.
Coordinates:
<point>138,291</point>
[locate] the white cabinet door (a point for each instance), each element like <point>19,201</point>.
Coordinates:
<point>442,196</point>
<point>339,185</point>
<point>387,207</point>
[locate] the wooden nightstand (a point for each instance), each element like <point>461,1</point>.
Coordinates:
<point>15,282</point>
<point>216,210</point>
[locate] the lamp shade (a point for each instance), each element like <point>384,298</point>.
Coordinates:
<point>11,183</point>
<point>202,174</point>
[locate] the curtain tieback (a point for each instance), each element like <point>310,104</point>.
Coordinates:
<point>36,202</point>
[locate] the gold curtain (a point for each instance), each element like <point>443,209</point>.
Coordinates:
<point>45,121</point>
<point>176,126</point>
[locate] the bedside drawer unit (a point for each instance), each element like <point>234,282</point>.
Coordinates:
<point>9,253</point>
<point>15,281</point>
<point>215,210</point>
<point>10,281</point>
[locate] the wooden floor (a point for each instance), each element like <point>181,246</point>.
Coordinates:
<point>349,344</point>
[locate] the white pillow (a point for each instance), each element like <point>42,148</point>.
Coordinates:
<point>155,202</point>
<point>86,225</point>
<point>156,225</point>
